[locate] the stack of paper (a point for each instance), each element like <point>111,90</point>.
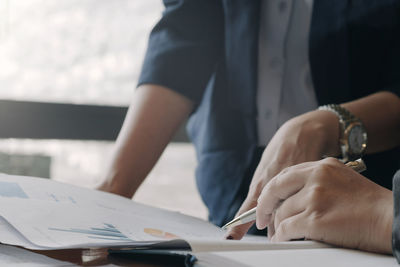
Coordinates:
<point>42,214</point>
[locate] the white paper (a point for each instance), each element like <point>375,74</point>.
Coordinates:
<point>9,235</point>
<point>53,215</point>
<point>12,256</point>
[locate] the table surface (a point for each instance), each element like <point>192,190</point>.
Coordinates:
<point>331,257</point>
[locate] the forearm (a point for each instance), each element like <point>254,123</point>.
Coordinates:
<point>380,114</point>
<point>152,119</point>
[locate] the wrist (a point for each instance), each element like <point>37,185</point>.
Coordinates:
<point>384,230</point>
<point>117,184</point>
<point>322,129</point>
<point>377,236</point>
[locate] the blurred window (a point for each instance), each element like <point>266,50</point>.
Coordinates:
<point>75,51</point>
<point>84,52</point>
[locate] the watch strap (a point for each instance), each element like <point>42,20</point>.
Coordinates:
<point>346,118</point>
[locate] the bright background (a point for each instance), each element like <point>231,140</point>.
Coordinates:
<point>87,52</point>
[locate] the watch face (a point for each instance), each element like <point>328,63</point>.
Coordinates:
<point>357,139</point>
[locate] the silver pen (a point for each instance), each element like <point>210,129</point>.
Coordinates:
<point>250,215</point>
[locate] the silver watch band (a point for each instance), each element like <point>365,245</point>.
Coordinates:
<point>347,122</point>
<point>344,115</point>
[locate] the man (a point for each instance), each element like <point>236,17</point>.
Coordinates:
<point>205,59</point>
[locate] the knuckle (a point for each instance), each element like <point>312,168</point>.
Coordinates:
<point>276,181</point>
<point>316,195</point>
<point>330,162</point>
<point>317,192</point>
<point>315,219</point>
<point>325,168</point>
<point>286,170</point>
<point>271,188</point>
<point>273,183</point>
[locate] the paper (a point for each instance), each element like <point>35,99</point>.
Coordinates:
<point>44,214</point>
<point>9,235</point>
<point>12,256</point>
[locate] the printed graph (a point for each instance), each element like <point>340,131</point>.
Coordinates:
<point>60,198</point>
<point>108,232</point>
<point>159,233</point>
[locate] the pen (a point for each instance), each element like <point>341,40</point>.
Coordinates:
<point>250,215</point>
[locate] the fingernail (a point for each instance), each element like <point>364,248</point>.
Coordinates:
<point>262,223</point>
<point>229,237</point>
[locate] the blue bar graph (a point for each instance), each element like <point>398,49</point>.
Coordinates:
<point>108,232</point>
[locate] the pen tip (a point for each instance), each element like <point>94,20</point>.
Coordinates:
<point>231,224</point>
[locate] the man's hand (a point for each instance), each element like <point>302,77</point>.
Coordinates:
<point>313,135</point>
<point>327,201</point>
<point>305,138</point>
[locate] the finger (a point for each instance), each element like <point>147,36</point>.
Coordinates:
<point>271,226</point>
<point>250,202</point>
<point>294,227</point>
<point>290,207</point>
<point>239,231</point>
<point>281,187</point>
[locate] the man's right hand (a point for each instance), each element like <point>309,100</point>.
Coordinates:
<point>304,138</point>
<point>315,134</point>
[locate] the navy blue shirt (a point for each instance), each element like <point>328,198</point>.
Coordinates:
<point>207,50</point>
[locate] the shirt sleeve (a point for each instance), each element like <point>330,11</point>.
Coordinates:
<point>184,47</point>
<point>396,217</point>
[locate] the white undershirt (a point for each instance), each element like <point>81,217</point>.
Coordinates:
<point>285,87</point>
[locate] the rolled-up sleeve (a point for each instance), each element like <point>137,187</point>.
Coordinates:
<point>396,217</point>
<point>184,47</point>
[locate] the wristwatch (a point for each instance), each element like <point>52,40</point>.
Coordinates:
<point>353,136</point>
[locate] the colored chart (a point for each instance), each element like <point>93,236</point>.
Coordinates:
<point>159,233</point>
<point>108,232</point>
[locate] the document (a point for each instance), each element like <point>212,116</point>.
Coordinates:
<point>13,256</point>
<point>43,214</point>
